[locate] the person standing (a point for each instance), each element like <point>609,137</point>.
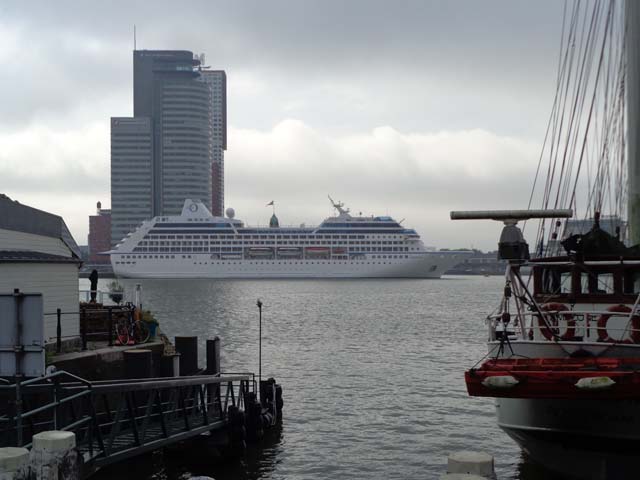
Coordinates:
<point>93,278</point>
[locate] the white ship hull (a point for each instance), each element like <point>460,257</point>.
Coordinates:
<point>423,265</point>
<point>198,245</point>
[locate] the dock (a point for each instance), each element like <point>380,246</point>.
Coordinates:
<point>103,403</point>
<point>114,420</point>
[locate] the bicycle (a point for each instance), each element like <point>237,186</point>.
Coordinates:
<point>130,332</point>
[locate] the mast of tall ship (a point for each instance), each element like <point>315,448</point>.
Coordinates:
<point>632,14</point>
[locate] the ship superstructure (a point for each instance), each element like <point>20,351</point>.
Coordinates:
<point>199,245</point>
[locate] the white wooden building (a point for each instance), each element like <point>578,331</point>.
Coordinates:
<point>39,255</point>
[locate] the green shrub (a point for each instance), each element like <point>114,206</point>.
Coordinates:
<point>148,317</point>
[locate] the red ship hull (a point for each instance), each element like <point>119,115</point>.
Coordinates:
<point>611,378</point>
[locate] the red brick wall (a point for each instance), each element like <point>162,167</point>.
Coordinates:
<point>99,237</point>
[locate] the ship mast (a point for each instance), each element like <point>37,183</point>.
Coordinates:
<point>632,14</point>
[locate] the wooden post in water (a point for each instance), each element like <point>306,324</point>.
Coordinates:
<point>187,347</point>
<point>137,363</point>
<point>213,356</point>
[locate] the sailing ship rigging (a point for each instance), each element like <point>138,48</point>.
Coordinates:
<point>563,358</point>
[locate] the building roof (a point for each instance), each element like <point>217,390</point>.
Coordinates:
<point>21,218</point>
<point>27,256</point>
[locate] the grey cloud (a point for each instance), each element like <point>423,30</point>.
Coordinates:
<point>452,63</point>
<point>342,68</point>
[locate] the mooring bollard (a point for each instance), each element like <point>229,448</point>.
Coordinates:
<point>213,366</point>
<point>110,323</point>
<point>213,356</point>
<point>170,365</point>
<point>474,463</point>
<point>187,347</point>
<point>138,363</point>
<point>13,463</point>
<point>83,327</point>
<point>237,431</point>
<point>54,456</point>
<point>253,417</point>
<point>59,331</point>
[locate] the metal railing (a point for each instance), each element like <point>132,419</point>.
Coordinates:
<point>118,419</point>
<point>85,295</point>
<point>110,310</point>
<point>583,322</point>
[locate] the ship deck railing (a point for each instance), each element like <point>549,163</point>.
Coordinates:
<point>586,327</point>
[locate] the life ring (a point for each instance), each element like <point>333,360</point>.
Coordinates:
<point>546,329</point>
<point>603,335</point>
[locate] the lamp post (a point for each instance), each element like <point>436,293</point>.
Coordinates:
<point>259,304</point>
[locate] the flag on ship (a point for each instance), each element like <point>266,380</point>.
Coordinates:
<point>269,204</point>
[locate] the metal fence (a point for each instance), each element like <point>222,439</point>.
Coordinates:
<point>110,311</point>
<point>114,420</point>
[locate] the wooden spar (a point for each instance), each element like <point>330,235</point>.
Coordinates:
<point>510,214</point>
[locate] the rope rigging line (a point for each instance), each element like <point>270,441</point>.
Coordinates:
<point>585,135</point>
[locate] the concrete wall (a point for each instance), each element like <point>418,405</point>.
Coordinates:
<point>58,284</point>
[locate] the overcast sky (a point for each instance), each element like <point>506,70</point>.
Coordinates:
<point>406,108</point>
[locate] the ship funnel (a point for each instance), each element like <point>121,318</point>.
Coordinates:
<point>512,245</point>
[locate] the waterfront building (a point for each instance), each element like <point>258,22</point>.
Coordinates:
<point>480,263</point>
<point>39,255</point>
<point>131,174</point>
<point>99,239</point>
<point>169,140</point>
<point>218,81</point>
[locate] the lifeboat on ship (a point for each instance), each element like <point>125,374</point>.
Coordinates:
<point>317,251</point>
<point>559,378</point>
<point>289,251</point>
<point>260,252</point>
<point>231,256</point>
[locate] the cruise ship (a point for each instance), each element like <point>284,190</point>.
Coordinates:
<point>199,245</point>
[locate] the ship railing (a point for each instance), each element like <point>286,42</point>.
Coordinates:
<point>557,323</point>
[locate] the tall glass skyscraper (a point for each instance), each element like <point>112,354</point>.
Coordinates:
<point>218,81</point>
<point>167,152</point>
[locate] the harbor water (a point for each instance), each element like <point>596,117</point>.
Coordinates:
<point>372,372</point>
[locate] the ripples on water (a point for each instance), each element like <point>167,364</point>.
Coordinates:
<point>372,372</point>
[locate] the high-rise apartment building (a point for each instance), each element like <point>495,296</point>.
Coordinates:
<point>99,239</point>
<point>218,81</point>
<point>170,144</point>
<point>131,174</point>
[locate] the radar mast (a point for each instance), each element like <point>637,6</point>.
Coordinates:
<point>339,206</point>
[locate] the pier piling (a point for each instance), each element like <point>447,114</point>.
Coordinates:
<point>54,457</point>
<point>187,347</point>
<point>213,356</point>
<point>13,463</point>
<point>479,464</point>
<point>138,363</point>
